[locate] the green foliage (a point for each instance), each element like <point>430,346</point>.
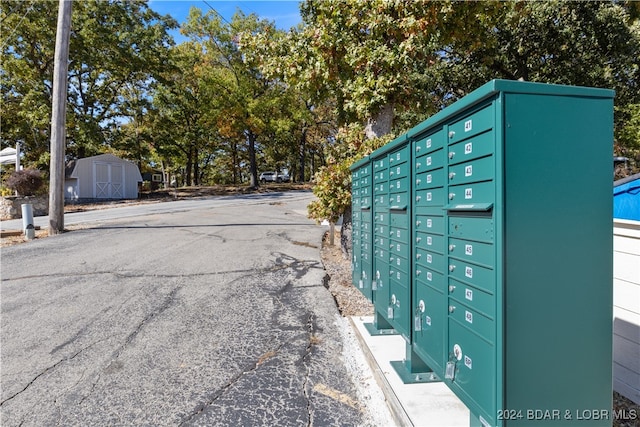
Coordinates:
<point>333,181</point>
<point>114,46</point>
<point>26,182</point>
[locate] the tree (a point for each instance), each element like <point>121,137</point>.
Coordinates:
<point>245,97</point>
<point>114,46</point>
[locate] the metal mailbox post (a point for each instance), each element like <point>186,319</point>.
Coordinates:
<point>492,253</point>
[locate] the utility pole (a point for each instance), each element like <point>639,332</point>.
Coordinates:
<point>58,119</point>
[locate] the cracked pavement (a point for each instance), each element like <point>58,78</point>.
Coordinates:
<point>212,315</point>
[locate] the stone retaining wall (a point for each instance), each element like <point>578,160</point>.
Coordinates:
<point>10,207</point>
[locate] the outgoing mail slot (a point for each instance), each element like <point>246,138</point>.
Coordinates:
<point>477,228</point>
<point>475,298</point>
<point>470,194</point>
<point>429,197</point>
<point>481,277</point>
<point>429,179</point>
<point>471,125</point>
<point>472,171</point>
<point>473,148</point>
<point>475,252</point>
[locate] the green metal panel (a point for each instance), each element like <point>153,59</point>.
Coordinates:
<point>429,333</point>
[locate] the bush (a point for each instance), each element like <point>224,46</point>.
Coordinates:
<point>26,182</point>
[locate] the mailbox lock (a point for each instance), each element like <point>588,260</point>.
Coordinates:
<point>452,288</point>
<point>418,272</point>
<point>452,134</point>
<point>418,165</point>
<point>451,196</point>
<point>421,306</point>
<point>418,256</point>
<point>418,223</point>
<point>452,175</point>
<point>452,267</point>
<point>418,239</point>
<point>393,299</point>
<point>452,154</point>
<point>452,309</point>
<point>418,198</point>
<point>451,248</point>
<point>418,181</point>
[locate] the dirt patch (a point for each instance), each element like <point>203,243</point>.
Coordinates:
<point>349,299</point>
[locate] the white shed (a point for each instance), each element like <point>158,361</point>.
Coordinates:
<point>101,177</point>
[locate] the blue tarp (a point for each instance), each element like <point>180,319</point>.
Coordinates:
<point>626,198</point>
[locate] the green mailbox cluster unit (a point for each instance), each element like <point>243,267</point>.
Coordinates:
<point>483,236</point>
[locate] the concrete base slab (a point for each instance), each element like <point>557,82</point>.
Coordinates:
<point>422,404</point>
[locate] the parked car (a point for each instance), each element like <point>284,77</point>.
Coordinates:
<point>274,177</point>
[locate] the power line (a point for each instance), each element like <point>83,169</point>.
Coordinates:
<point>18,26</point>
<point>218,13</point>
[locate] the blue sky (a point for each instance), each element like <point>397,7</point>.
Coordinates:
<point>284,13</point>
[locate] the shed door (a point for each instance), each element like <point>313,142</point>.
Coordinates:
<point>109,180</point>
<point>117,181</point>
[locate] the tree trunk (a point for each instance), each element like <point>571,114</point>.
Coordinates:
<point>377,126</point>
<point>380,124</point>
<point>188,171</point>
<point>301,155</point>
<point>251,137</point>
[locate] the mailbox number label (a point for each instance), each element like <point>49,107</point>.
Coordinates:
<point>467,361</point>
<point>429,241</point>
<point>468,316</point>
<point>468,148</point>
<point>429,258</point>
<point>468,170</point>
<point>468,250</point>
<point>429,223</point>
<point>429,161</point>
<point>468,125</point>
<point>429,276</point>
<point>429,143</point>
<point>429,179</point>
<point>429,196</point>
<point>468,271</point>
<point>468,294</point>
<point>468,193</point>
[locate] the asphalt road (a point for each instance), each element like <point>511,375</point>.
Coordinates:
<point>207,312</point>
